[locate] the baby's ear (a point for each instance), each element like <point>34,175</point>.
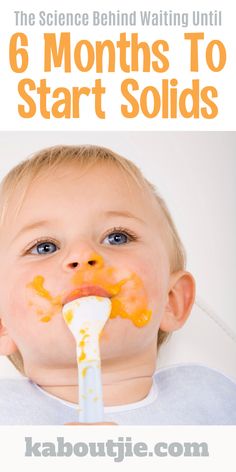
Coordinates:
<point>7,345</point>
<point>180,301</point>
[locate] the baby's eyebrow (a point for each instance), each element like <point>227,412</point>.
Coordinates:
<point>30,227</point>
<point>124,213</point>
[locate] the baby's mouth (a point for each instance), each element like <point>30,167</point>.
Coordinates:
<point>86,291</point>
<point>122,304</point>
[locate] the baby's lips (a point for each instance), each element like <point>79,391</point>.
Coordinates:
<point>86,291</point>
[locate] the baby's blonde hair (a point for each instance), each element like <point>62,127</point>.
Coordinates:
<point>48,160</point>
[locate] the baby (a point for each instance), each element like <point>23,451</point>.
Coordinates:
<point>79,221</point>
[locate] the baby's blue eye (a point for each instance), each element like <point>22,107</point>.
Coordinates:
<point>116,239</point>
<point>44,248</point>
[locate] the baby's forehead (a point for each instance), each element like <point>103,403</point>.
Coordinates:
<point>105,174</point>
<point>108,176</point>
<point>105,183</point>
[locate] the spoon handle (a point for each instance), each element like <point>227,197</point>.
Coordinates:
<point>90,392</point>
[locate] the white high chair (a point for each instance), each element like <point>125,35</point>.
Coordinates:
<point>204,339</point>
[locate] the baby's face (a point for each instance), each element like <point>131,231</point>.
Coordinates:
<point>78,233</point>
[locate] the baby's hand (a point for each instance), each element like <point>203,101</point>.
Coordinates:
<point>90,424</point>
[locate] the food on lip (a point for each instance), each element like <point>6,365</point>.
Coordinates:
<point>85,292</point>
<point>105,278</point>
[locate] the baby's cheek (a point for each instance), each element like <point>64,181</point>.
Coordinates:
<point>156,280</point>
<point>156,293</point>
<point>24,311</point>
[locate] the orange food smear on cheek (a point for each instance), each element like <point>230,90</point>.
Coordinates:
<point>55,302</point>
<point>131,302</point>
<point>37,285</point>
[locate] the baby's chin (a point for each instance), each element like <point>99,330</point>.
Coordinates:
<point>119,341</point>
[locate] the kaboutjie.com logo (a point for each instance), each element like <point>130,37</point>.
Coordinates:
<point>118,450</point>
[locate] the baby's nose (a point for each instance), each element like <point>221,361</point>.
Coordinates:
<point>90,260</point>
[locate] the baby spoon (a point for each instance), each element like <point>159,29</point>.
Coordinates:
<point>86,317</point>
